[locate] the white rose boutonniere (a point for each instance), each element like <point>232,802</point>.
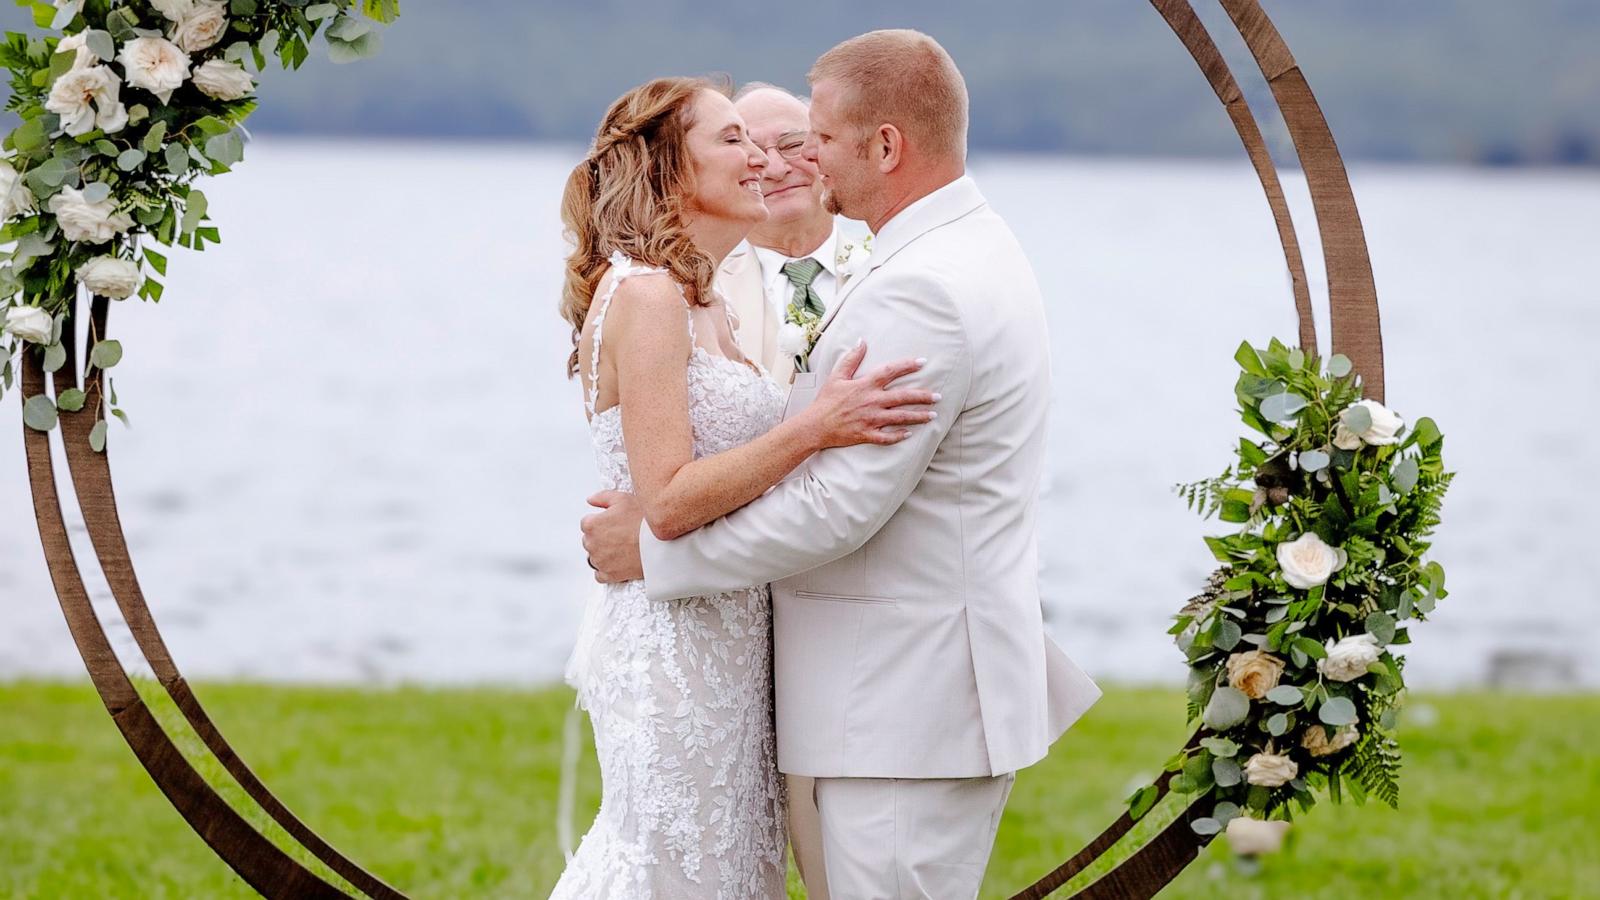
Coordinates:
<point>1349,658</point>
<point>1368,422</point>
<point>109,276</point>
<point>91,223</point>
<point>1270,770</point>
<point>852,257</point>
<point>155,64</point>
<point>791,339</point>
<point>1307,561</point>
<point>30,323</point>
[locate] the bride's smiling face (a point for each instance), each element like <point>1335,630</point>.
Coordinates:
<point>727,164</point>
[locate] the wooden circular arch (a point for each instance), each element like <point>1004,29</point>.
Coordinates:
<point>275,874</point>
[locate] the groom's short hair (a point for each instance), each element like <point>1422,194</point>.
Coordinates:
<point>902,77</point>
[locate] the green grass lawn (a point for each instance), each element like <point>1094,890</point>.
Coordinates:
<point>452,794</point>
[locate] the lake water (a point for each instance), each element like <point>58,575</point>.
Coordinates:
<point>356,457</point>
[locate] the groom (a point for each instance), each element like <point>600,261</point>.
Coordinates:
<point>913,675</point>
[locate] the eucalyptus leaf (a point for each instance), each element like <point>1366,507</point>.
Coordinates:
<point>1228,707</point>
<point>1206,825</point>
<point>1225,812</point>
<point>154,137</point>
<point>1228,635</point>
<point>97,437</point>
<point>106,354</point>
<point>1220,747</point>
<point>1381,626</point>
<point>96,192</point>
<point>1405,475</point>
<point>1356,418</point>
<point>1339,365</point>
<point>1337,711</point>
<point>55,356</point>
<point>70,400</point>
<point>1277,724</point>
<point>1226,772</point>
<point>39,413</point>
<point>130,159</point>
<point>1285,695</point>
<point>100,44</point>
<point>1282,407</point>
<point>1312,460</point>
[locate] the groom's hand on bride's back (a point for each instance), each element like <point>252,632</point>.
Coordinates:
<point>611,537</point>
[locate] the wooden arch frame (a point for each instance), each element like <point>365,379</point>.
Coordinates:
<point>275,874</point>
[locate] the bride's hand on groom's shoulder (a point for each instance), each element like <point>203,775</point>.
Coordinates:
<point>864,409</point>
<point>611,537</point>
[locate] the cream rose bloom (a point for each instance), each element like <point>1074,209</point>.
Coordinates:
<point>15,198</point>
<point>1307,561</point>
<point>1254,673</point>
<point>853,256</point>
<point>1348,659</point>
<point>79,44</point>
<point>1316,741</point>
<point>174,10</point>
<point>1252,837</point>
<point>1270,770</point>
<point>109,276</point>
<point>201,26</point>
<point>223,80</point>
<point>155,64</point>
<point>1385,427</point>
<point>87,99</point>
<point>91,223</point>
<point>29,323</point>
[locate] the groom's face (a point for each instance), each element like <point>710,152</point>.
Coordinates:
<point>835,148</point>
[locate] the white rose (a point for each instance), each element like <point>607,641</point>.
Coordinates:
<point>15,198</point>
<point>1254,673</point>
<point>79,44</point>
<point>222,80</point>
<point>1385,427</point>
<point>791,339</point>
<point>852,257</point>
<point>1307,561</point>
<point>174,10</point>
<point>1316,740</point>
<point>109,276</point>
<point>155,64</point>
<point>1270,770</point>
<point>1349,659</point>
<point>92,223</point>
<point>202,26</point>
<point>29,323</point>
<point>1252,837</point>
<point>87,99</point>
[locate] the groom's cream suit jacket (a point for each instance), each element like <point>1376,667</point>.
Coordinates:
<point>908,635</point>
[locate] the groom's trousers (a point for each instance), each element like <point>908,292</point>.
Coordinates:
<point>909,838</point>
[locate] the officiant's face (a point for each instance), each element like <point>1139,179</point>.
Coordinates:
<point>835,148</point>
<point>727,164</point>
<point>778,124</point>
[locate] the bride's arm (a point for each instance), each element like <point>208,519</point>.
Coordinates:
<point>650,346</point>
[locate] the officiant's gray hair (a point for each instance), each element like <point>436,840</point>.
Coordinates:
<point>904,78</point>
<point>750,87</point>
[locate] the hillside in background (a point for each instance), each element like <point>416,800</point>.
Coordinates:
<point>1460,80</point>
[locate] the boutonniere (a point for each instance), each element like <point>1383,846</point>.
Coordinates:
<point>852,257</point>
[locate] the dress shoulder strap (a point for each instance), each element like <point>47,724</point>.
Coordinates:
<point>622,268</point>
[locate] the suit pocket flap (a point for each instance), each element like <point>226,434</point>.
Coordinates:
<point>841,598</point>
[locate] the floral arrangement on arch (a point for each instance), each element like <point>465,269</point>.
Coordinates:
<point>1291,672</point>
<point>121,115</point>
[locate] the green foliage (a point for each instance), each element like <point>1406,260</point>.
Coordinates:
<point>1344,480</point>
<point>131,166</point>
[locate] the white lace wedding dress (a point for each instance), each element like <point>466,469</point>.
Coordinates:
<point>680,692</point>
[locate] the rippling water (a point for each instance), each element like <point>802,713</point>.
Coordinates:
<point>356,457</point>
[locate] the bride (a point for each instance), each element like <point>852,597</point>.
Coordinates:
<point>680,693</point>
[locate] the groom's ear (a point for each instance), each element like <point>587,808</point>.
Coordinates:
<point>888,148</point>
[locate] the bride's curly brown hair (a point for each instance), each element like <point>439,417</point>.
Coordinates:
<point>628,195</point>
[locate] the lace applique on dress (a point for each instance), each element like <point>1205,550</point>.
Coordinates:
<point>680,692</point>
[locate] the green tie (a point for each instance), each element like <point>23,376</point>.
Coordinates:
<point>801,272</point>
